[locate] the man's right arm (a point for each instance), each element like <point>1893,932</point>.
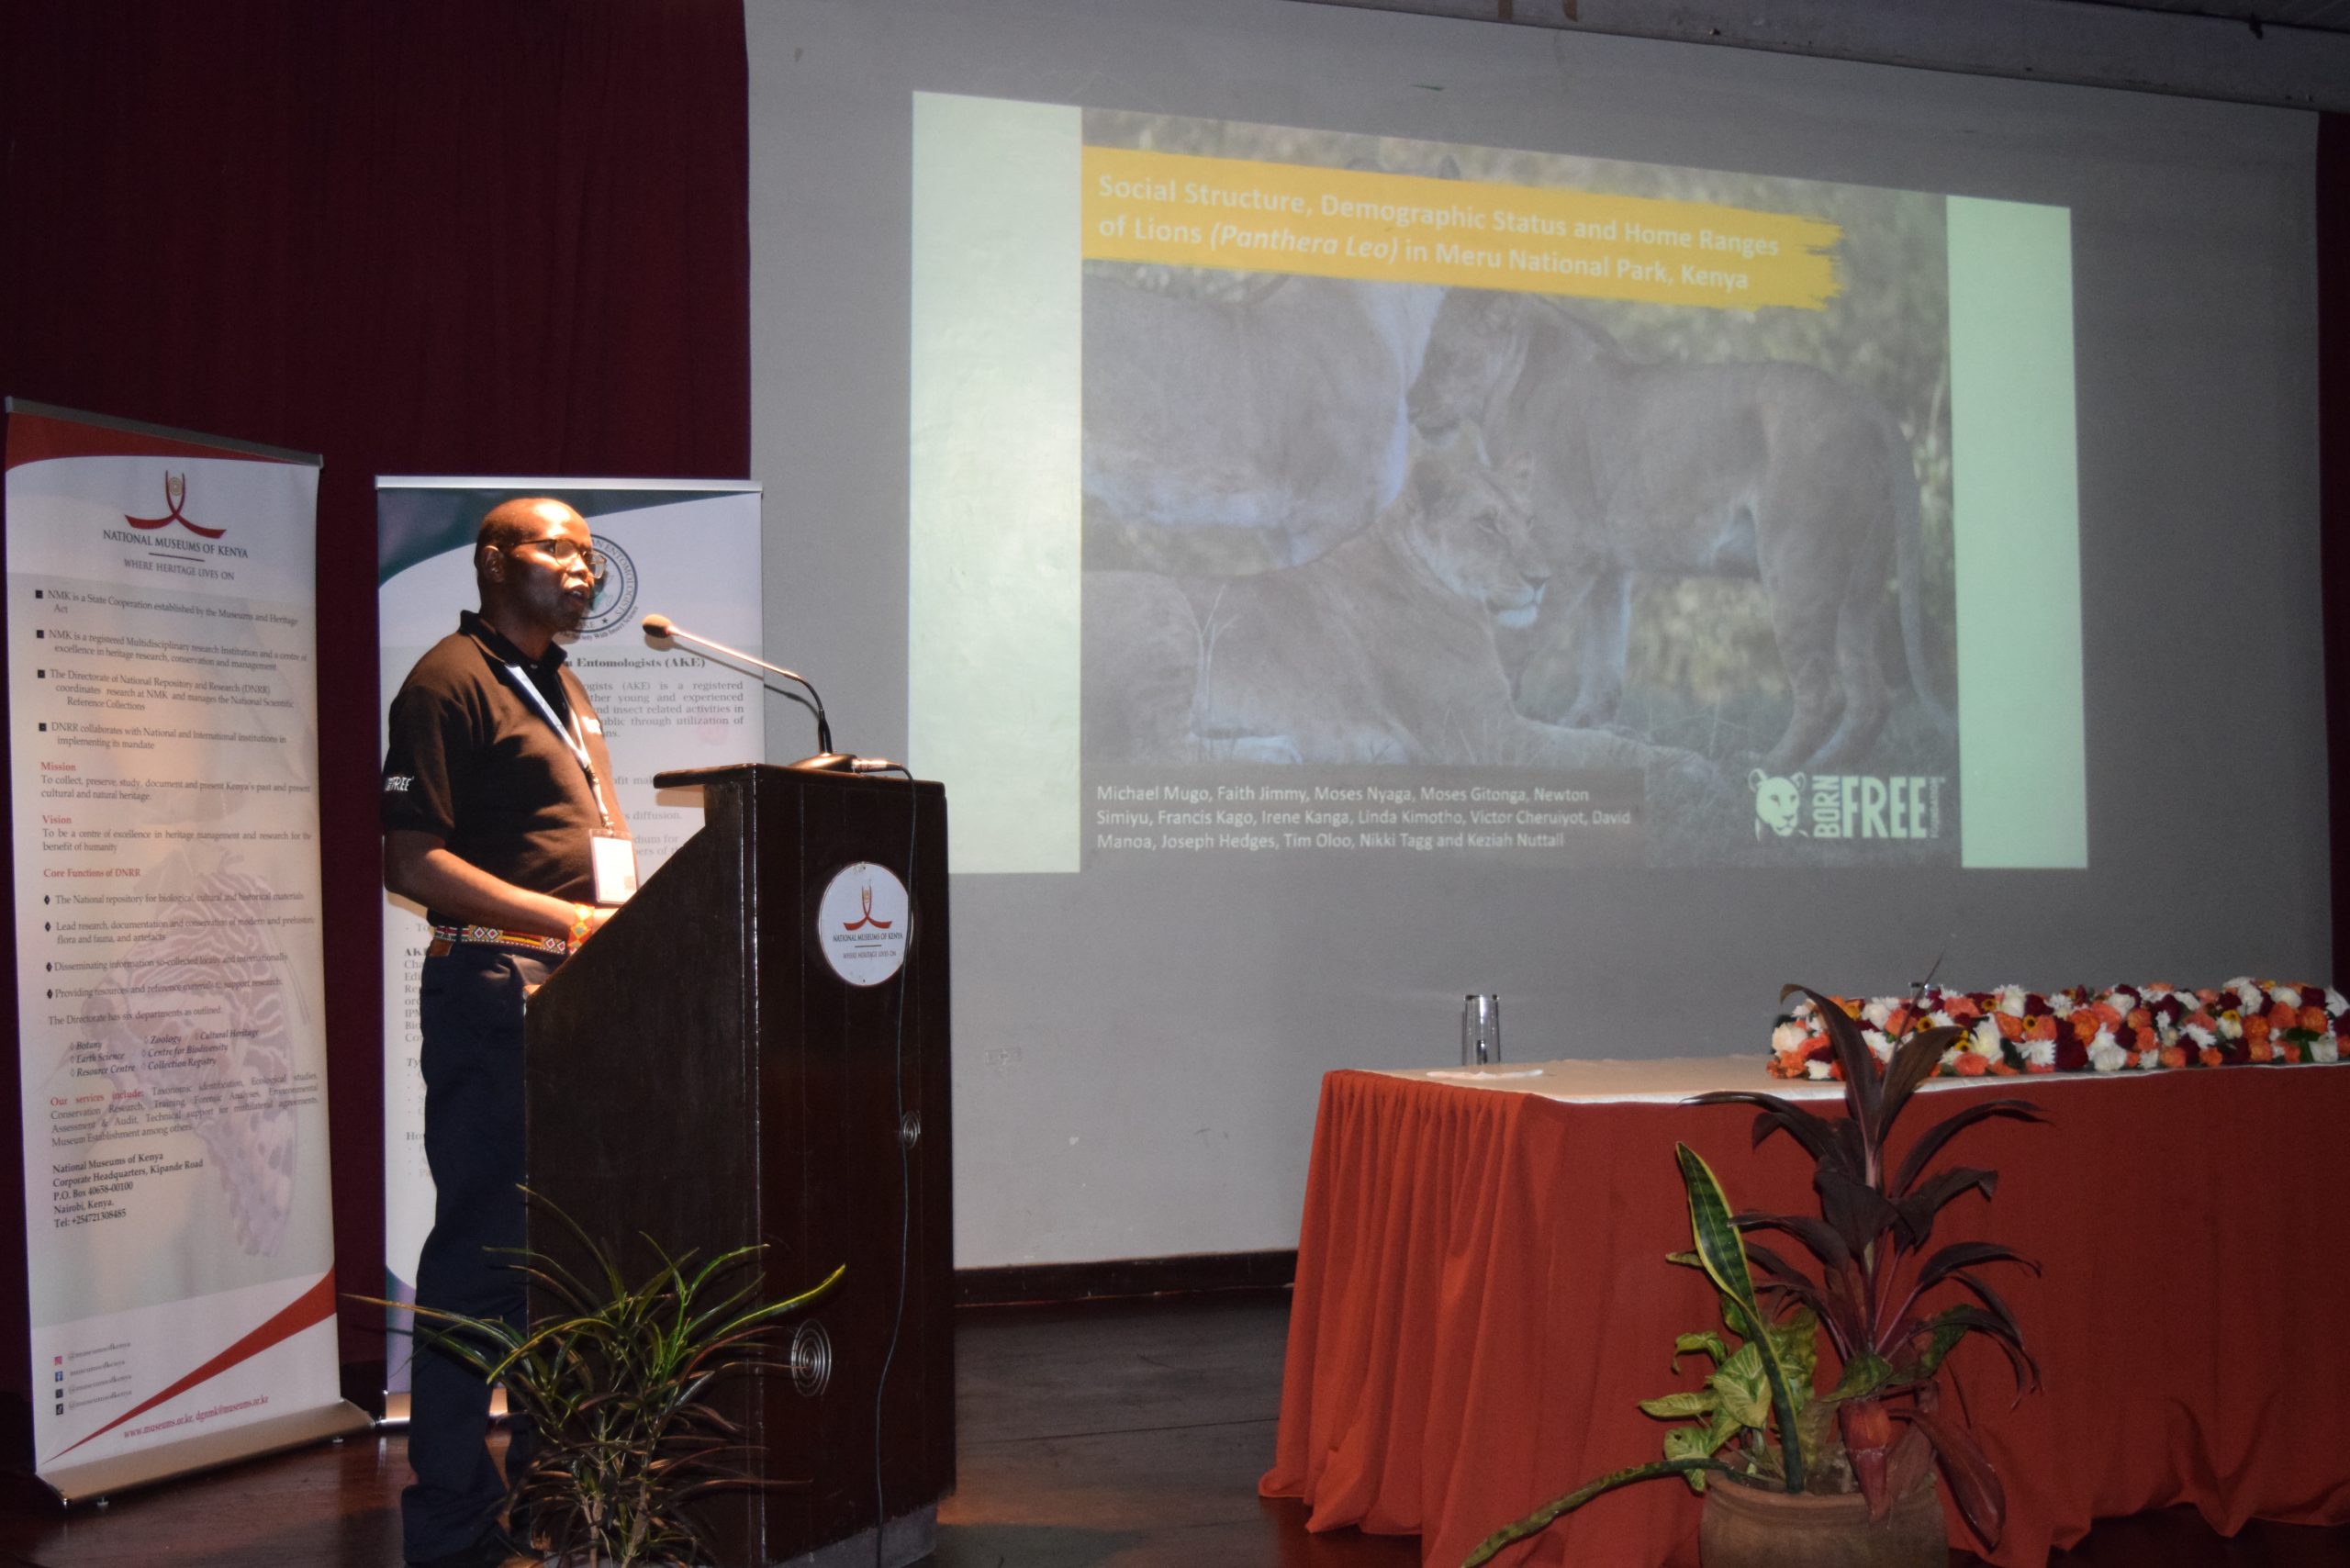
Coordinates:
<point>420,866</point>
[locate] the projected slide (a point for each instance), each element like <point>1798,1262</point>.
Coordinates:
<point>1353,496</point>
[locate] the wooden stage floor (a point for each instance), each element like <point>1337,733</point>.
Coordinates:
<point>1117,1434</point>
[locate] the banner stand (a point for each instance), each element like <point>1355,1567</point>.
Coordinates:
<point>174,1216</point>
<point>100,1478</point>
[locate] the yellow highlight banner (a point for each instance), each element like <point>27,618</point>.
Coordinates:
<point>1178,209</point>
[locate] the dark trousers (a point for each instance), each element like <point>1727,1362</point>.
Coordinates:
<point>470,1010</point>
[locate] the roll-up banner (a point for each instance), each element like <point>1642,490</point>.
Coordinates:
<point>163,776</point>
<point>686,549</point>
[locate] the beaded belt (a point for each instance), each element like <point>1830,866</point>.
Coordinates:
<point>491,936</point>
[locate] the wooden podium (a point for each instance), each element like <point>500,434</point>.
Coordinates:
<point>701,1074</point>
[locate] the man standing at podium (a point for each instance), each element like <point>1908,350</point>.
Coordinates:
<point>500,818</point>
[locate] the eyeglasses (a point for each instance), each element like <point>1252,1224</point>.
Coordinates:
<point>563,551</point>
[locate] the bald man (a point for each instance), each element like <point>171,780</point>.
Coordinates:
<point>500,818</point>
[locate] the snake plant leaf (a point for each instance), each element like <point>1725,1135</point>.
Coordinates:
<point>1718,1245</point>
<point>1705,1339</point>
<point>1687,1259</point>
<point>1930,1141</point>
<point>1719,1249</point>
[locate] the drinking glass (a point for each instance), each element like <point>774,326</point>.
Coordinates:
<point>1480,1030</point>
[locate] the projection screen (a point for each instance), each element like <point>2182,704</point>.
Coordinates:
<point>1361,509</point>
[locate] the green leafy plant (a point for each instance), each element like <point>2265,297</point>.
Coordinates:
<point>617,1380</point>
<point>1885,1421</point>
<point>1875,1280</point>
<point>1765,1383</point>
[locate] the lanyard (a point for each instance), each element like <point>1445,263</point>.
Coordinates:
<point>574,739</point>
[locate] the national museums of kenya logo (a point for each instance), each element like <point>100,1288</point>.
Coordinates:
<point>164,549</point>
<point>1846,805</point>
<point>176,502</point>
<point>615,591</point>
<point>861,923</point>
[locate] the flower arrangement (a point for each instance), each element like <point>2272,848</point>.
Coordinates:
<point>2127,1028</point>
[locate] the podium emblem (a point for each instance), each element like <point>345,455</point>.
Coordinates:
<point>861,924</point>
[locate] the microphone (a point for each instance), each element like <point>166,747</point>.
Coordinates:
<point>826,760</point>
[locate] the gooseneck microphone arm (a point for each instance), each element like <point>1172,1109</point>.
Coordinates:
<point>826,760</point>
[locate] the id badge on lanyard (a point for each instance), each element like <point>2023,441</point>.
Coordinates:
<point>615,867</point>
<point>613,853</point>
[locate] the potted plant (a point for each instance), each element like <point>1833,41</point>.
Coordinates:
<point>1867,1448</point>
<point>617,1380</point>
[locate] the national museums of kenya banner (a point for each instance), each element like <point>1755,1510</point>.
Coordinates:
<point>162,634</point>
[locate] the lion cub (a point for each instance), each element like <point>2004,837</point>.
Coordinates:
<point>1379,651</point>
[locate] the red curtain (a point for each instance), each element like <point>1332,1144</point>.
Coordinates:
<point>414,236</point>
<point>2333,495</point>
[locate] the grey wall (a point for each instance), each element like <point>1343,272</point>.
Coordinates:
<point>1137,1055</point>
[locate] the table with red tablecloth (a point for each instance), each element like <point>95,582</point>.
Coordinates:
<point>1483,1299</point>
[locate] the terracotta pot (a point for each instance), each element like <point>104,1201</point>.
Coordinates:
<point>1748,1526</point>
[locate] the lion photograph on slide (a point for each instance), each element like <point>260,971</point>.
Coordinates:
<point>1301,663</point>
<point>1772,471</point>
<point>1344,521</point>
